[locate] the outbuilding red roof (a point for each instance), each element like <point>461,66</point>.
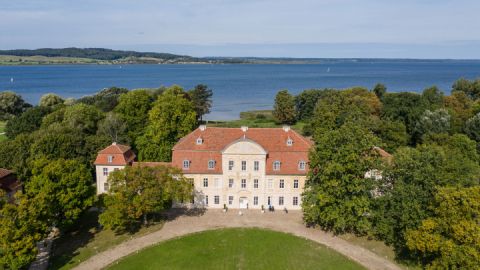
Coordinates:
<point>121,155</point>
<point>215,140</point>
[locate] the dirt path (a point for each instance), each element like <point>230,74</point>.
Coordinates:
<point>182,224</point>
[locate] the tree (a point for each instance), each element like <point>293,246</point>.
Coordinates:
<point>460,107</point>
<point>105,100</point>
<point>50,100</point>
<point>337,196</point>
<point>284,108</point>
<point>11,105</point>
<point>113,127</point>
<point>133,108</point>
<point>472,128</point>
<point>470,88</point>
<point>412,181</point>
<point>27,122</point>
<point>305,103</point>
<point>201,97</point>
<point>67,184</point>
<point>380,90</point>
<point>393,134</point>
<point>433,97</point>
<point>171,118</point>
<point>137,192</point>
<point>83,118</point>
<point>451,238</point>
<point>433,123</point>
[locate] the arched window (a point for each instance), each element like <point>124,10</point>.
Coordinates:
<point>301,165</point>
<point>276,165</point>
<point>211,164</point>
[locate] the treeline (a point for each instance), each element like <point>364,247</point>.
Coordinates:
<point>92,53</point>
<point>52,147</point>
<point>424,201</point>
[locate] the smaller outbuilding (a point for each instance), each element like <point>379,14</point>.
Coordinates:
<point>9,183</point>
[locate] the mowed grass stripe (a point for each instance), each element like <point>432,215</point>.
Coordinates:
<point>237,249</point>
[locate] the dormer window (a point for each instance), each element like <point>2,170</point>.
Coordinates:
<point>211,164</point>
<point>199,141</point>
<point>186,164</point>
<point>289,142</point>
<point>276,165</point>
<point>110,159</point>
<point>301,165</point>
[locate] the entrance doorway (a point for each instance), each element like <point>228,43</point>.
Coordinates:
<point>243,203</point>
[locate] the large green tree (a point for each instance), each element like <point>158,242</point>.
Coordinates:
<point>139,192</point>
<point>201,97</point>
<point>284,108</point>
<point>114,127</point>
<point>470,88</point>
<point>432,122</point>
<point>450,239</point>
<point>27,122</point>
<point>11,104</point>
<point>337,195</point>
<point>83,117</point>
<point>50,100</point>
<point>171,118</point>
<point>105,100</point>
<point>305,103</point>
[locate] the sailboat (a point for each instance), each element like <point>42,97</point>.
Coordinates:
<point>11,80</point>
<point>328,69</point>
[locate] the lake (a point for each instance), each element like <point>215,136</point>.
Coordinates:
<point>236,87</point>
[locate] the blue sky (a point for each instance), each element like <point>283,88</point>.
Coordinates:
<point>290,28</point>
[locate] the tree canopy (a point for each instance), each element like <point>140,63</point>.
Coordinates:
<point>201,97</point>
<point>284,108</point>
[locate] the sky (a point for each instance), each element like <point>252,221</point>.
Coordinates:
<point>262,28</point>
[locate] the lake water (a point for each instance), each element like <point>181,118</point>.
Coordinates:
<point>236,87</point>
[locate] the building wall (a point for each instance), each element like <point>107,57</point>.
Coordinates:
<point>102,179</point>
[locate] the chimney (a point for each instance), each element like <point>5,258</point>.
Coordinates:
<point>203,127</point>
<point>114,143</point>
<point>244,128</point>
<point>286,128</point>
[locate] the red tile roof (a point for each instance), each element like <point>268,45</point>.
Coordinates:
<point>151,164</point>
<point>4,172</point>
<point>121,155</point>
<point>273,140</point>
<point>9,181</point>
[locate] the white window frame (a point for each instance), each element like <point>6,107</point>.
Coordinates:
<point>110,159</point>
<point>106,186</point>
<point>230,183</point>
<point>281,183</point>
<point>217,183</point>
<point>105,171</point>
<point>206,199</point>
<point>244,165</point>
<point>216,199</point>
<point>205,182</point>
<point>255,200</point>
<point>289,142</point>
<point>199,141</point>
<point>281,200</point>
<point>211,164</point>
<point>230,165</point>
<point>302,165</point>
<point>295,201</point>
<point>256,165</point>
<point>230,200</point>
<point>295,183</point>
<point>243,184</point>
<point>186,164</point>
<point>255,183</point>
<point>270,183</point>
<point>276,165</point>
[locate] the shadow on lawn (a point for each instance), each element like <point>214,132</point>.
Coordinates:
<point>174,213</point>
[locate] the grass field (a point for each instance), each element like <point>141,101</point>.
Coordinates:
<point>87,240</point>
<point>237,249</point>
<point>2,130</point>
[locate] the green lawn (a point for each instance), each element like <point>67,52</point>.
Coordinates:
<point>87,240</point>
<point>2,130</point>
<point>237,249</point>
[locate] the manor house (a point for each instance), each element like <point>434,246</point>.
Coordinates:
<point>237,167</point>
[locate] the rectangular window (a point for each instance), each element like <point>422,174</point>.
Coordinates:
<point>280,200</point>
<point>216,199</point>
<point>211,164</point>
<point>230,183</point>
<point>106,186</point>
<point>269,200</point>
<point>270,183</point>
<point>205,182</point>
<point>295,183</point>
<point>186,164</point>
<point>110,159</point>
<point>244,183</point>
<point>244,165</point>
<point>105,171</point>
<point>256,165</point>
<point>301,165</point>
<point>230,165</point>
<point>282,183</point>
<point>276,165</point>
<point>295,200</point>
<point>255,183</point>
<point>206,199</point>
<point>255,200</point>
<point>218,183</point>
<point>230,200</point>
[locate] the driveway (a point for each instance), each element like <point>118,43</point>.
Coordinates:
<point>182,223</point>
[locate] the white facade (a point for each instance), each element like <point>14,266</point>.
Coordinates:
<point>102,175</point>
<point>244,182</point>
